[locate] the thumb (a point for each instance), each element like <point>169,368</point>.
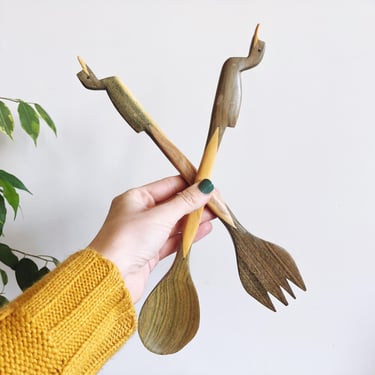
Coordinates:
<point>188,200</point>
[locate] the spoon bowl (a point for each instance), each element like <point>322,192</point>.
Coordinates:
<point>170,316</point>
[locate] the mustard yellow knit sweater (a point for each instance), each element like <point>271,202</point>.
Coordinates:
<point>70,322</point>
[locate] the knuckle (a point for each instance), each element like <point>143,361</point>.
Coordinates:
<point>139,196</point>
<point>131,194</point>
<point>118,199</point>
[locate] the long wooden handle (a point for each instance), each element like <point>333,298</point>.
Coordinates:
<point>135,115</point>
<point>205,169</point>
<point>225,113</point>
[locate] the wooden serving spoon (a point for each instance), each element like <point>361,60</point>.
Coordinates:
<point>170,316</point>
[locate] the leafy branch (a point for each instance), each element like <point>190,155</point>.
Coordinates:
<point>25,268</point>
<point>29,115</point>
<point>9,184</point>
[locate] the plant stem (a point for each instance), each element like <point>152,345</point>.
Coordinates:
<point>45,258</point>
<point>15,100</point>
<point>10,99</point>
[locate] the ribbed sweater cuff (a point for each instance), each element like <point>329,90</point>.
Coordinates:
<point>84,311</point>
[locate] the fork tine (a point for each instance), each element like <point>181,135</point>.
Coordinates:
<point>252,285</point>
<point>262,273</point>
<point>276,291</point>
<point>271,280</point>
<point>282,263</point>
<point>269,269</point>
<point>264,267</point>
<point>280,281</point>
<point>286,286</point>
<point>289,265</point>
<point>260,286</point>
<point>280,268</point>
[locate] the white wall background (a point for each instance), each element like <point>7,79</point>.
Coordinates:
<point>297,170</point>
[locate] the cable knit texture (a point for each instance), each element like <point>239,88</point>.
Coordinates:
<point>70,322</point>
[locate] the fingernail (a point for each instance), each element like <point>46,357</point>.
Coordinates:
<point>206,186</point>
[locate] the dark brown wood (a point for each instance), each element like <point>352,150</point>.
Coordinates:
<point>228,96</point>
<point>263,267</point>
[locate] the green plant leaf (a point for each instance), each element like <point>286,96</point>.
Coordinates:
<point>3,300</point>
<point>11,195</point>
<point>3,213</point>
<point>6,120</point>
<point>26,273</point>
<point>7,256</point>
<point>4,277</point>
<point>13,180</point>
<point>46,117</point>
<point>29,120</point>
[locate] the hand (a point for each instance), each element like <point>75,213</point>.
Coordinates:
<point>144,226</point>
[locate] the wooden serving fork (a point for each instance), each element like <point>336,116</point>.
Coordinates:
<point>263,266</point>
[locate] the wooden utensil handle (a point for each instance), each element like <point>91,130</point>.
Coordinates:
<point>188,171</point>
<point>204,171</point>
<point>134,114</point>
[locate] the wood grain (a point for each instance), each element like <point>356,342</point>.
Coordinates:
<point>265,269</point>
<point>134,114</point>
<point>257,260</point>
<point>169,319</point>
<point>205,169</point>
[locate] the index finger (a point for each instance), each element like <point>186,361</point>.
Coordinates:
<point>165,188</point>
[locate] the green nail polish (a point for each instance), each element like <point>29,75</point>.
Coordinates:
<point>206,186</point>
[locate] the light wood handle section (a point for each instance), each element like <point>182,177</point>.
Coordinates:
<point>204,171</point>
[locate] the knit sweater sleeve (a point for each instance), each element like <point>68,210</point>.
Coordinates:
<point>70,322</point>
